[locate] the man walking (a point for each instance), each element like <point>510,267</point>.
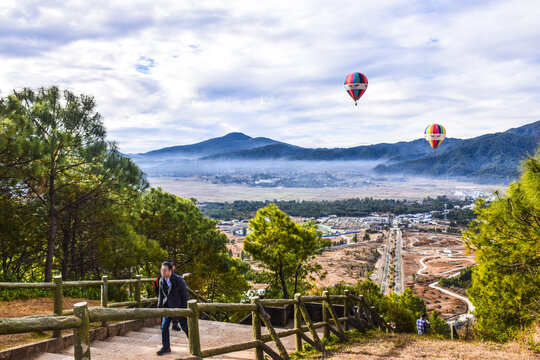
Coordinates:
<point>173,293</point>
<point>156,289</point>
<point>422,324</point>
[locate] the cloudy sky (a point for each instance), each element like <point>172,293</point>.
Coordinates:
<point>168,73</point>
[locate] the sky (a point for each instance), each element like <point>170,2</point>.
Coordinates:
<point>167,73</point>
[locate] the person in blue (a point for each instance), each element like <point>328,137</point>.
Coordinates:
<point>173,293</point>
<point>422,324</point>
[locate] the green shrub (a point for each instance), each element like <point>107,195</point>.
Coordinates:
<point>401,316</point>
<point>463,280</point>
<point>403,310</point>
<point>438,326</point>
<point>23,294</point>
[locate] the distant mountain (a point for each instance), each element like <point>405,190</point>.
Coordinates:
<point>234,141</point>
<point>396,151</point>
<point>487,157</point>
<point>490,157</point>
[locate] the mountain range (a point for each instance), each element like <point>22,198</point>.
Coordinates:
<point>490,157</point>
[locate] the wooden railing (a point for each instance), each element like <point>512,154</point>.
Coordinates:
<point>57,285</point>
<point>356,313</point>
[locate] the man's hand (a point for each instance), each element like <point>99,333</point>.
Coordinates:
<point>186,275</point>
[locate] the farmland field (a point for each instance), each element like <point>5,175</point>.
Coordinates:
<point>413,189</point>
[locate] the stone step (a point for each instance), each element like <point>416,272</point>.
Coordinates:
<point>150,330</point>
<point>117,350</point>
<point>113,346</point>
<point>51,356</point>
<point>141,335</point>
<point>145,342</point>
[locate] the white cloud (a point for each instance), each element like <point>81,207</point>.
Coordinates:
<point>179,72</point>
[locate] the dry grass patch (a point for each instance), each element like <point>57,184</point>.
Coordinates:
<point>407,346</point>
<point>40,306</point>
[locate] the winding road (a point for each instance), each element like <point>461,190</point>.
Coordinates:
<point>434,285</point>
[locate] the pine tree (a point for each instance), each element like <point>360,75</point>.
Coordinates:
<point>283,247</point>
<point>506,238</point>
<point>65,162</point>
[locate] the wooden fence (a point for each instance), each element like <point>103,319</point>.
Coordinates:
<point>356,313</point>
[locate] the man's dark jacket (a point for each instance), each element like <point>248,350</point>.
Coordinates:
<point>176,295</point>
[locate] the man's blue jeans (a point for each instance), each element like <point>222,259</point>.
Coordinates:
<point>165,324</point>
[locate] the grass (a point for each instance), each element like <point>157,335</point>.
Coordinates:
<point>377,345</point>
<point>40,306</point>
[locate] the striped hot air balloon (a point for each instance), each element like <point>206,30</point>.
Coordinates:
<point>435,135</point>
<point>356,85</point>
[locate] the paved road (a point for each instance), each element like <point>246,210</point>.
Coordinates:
<point>399,274</point>
<point>386,264</point>
<point>395,234</point>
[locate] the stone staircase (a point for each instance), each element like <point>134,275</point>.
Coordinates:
<point>143,343</point>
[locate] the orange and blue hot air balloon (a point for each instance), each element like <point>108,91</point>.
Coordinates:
<point>356,85</point>
<point>435,135</point>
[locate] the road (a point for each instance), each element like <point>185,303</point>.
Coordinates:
<point>399,273</point>
<point>394,237</point>
<point>386,264</point>
<point>434,285</point>
<point>398,277</point>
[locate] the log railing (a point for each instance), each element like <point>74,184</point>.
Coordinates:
<point>356,314</point>
<point>58,286</point>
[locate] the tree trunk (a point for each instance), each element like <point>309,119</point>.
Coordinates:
<point>51,233</point>
<point>283,284</point>
<point>65,248</point>
<point>296,279</point>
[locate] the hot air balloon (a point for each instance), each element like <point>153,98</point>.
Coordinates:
<point>356,85</point>
<point>435,135</point>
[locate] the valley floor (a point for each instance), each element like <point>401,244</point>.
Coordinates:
<point>412,189</point>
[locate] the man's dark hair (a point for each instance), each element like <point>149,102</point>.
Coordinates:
<point>167,264</point>
<point>423,316</point>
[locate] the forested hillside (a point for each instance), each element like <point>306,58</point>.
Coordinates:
<point>488,157</point>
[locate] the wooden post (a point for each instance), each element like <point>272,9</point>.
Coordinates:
<point>58,301</point>
<point>138,290</point>
<point>104,291</point>
<point>256,324</point>
<point>360,323</point>
<point>309,323</point>
<point>363,309</point>
<point>346,308</point>
<point>339,330</point>
<point>104,295</point>
<point>298,327</point>
<point>193,329</point>
<point>377,321</point>
<point>326,332</point>
<point>81,335</point>
<point>451,332</point>
<point>266,320</point>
